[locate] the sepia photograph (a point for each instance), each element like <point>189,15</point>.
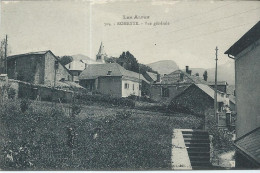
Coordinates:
<point>126,85</point>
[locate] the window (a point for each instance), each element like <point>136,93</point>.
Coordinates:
<point>133,87</point>
<point>109,72</point>
<point>125,85</point>
<point>56,64</point>
<point>165,92</point>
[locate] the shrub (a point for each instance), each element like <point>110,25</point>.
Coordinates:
<point>11,93</point>
<point>123,114</point>
<point>222,139</point>
<point>105,99</point>
<point>24,105</point>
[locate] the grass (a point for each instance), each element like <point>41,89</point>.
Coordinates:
<point>107,138</point>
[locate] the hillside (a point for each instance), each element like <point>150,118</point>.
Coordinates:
<point>226,72</point>
<point>106,138</point>
<point>164,66</point>
<point>85,58</point>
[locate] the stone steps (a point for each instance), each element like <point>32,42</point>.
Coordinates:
<point>198,147</point>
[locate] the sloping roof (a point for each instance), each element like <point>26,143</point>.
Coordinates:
<point>153,76</point>
<point>94,71</point>
<point>76,65</point>
<point>246,40</point>
<point>218,83</point>
<point>38,53</point>
<point>249,144</point>
<point>209,91</point>
<point>30,53</point>
<point>173,78</point>
<point>232,99</point>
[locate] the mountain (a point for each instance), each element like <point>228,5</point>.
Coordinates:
<point>226,72</point>
<point>164,66</point>
<point>79,57</point>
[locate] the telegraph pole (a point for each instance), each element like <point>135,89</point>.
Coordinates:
<point>6,54</point>
<point>216,80</point>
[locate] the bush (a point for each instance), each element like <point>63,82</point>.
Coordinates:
<point>11,93</point>
<point>105,99</point>
<point>24,105</point>
<point>123,114</point>
<point>222,139</point>
<point>142,98</point>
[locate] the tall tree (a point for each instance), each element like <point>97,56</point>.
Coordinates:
<point>128,61</point>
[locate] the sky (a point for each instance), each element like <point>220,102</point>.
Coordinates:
<point>193,29</point>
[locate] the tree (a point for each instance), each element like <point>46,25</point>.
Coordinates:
<point>205,75</point>
<point>2,56</point>
<point>66,59</point>
<point>128,61</point>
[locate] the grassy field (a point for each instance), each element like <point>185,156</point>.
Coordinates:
<point>108,138</point>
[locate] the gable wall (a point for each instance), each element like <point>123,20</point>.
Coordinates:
<point>248,90</point>
<point>61,72</point>
<point>29,68</point>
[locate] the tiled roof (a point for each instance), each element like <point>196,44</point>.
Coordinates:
<point>38,53</point>
<point>94,71</point>
<point>30,53</point>
<point>246,40</point>
<point>250,144</point>
<point>173,78</point>
<point>153,76</point>
<point>209,91</point>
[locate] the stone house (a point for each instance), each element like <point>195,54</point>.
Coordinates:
<point>246,52</point>
<point>112,79</point>
<point>37,68</point>
<point>198,98</point>
<point>173,84</point>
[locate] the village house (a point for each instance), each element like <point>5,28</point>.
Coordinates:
<point>112,79</point>
<point>221,86</point>
<point>246,52</point>
<point>173,84</point>
<point>76,67</point>
<point>37,68</point>
<point>198,98</point>
<point>152,77</point>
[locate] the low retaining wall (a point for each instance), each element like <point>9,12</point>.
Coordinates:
<point>39,92</point>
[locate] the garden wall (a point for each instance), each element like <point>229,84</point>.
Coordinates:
<point>39,92</point>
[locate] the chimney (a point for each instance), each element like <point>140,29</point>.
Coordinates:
<point>158,78</point>
<point>190,72</point>
<point>187,69</point>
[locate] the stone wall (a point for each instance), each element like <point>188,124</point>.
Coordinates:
<point>28,68</point>
<point>156,92</point>
<point>193,100</point>
<point>39,92</point>
<point>49,75</point>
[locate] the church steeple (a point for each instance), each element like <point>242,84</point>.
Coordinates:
<point>101,54</point>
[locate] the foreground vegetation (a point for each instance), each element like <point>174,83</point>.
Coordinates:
<point>41,137</point>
